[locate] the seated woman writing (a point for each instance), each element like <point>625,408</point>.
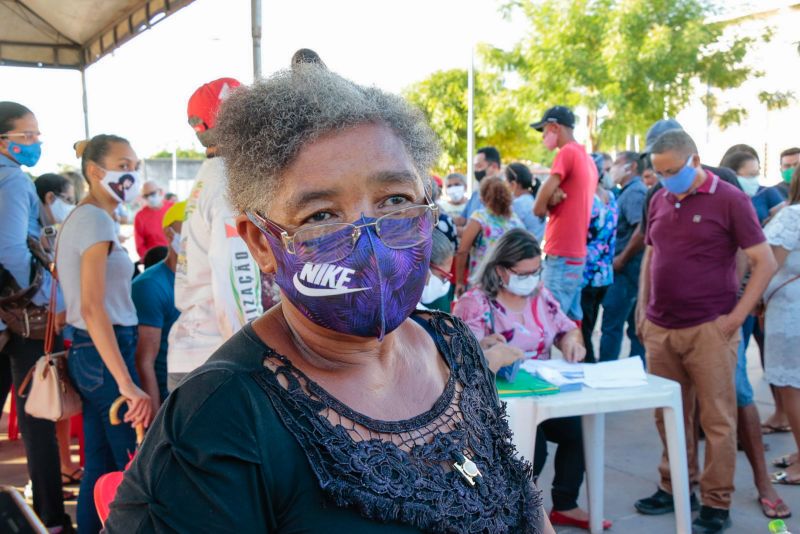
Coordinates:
<point>509,305</point>
<point>340,409</point>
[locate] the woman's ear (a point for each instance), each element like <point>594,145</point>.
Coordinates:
<point>94,172</point>
<point>49,198</point>
<point>257,243</point>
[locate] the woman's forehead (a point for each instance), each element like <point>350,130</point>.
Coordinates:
<point>368,156</point>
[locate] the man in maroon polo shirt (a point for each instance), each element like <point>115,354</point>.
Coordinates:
<point>696,224</point>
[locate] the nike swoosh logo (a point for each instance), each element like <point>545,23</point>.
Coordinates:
<point>320,292</point>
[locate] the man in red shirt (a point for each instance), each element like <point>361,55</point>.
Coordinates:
<point>147,229</point>
<point>689,316</point>
<point>566,196</point>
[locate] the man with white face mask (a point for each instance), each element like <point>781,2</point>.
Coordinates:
<point>438,292</point>
<point>455,197</point>
<point>147,223</point>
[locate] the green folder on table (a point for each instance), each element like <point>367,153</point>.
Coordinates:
<point>525,385</point>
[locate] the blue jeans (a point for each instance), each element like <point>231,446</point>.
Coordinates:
<point>563,278</point>
<point>107,447</point>
<point>744,390</point>
<point>619,305</point>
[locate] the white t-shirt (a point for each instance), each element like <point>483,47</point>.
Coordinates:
<point>217,282</point>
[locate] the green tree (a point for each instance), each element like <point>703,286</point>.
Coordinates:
<point>627,63</point>
<point>182,153</point>
<point>442,97</point>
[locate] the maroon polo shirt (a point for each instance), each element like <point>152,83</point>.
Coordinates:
<point>693,262</point>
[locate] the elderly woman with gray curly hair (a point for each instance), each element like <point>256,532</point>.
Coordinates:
<point>340,409</point>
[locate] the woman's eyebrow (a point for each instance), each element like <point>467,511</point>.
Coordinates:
<point>300,200</point>
<point>395,177</point>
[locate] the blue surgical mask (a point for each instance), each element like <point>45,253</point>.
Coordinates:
<point>681,182</point>
<point>27,155</point>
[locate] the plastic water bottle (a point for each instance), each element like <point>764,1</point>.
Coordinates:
<point>777,526</point>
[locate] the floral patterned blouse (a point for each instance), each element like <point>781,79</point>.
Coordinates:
<point>600,243</point>
<point>492,228</point>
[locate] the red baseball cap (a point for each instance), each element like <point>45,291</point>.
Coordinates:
<point>204,103</point>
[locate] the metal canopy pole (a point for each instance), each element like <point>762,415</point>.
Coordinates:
<point>255,15</point>
<point>470,117</point>
<point>85,104</point>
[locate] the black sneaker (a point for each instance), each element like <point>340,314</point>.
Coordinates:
<point>661,503</point>
<point>711,520</point>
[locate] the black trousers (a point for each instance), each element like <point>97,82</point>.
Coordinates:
<point>591,298</point>
<point>569,464</point>
<point>5,379</point>
<point>39,438</point>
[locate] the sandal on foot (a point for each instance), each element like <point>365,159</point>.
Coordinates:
<point>71,479</point>
<point>783,462</point>
<point>782,477</point>
<point>770,509</point>
<point>775,429</point>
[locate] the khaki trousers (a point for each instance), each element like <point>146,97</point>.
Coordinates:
<point>702,360</point>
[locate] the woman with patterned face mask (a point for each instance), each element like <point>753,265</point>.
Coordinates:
<point>340,409</point>
<point>509,306</point>
<point>95,274</point>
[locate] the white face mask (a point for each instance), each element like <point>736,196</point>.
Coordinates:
<point>154,201</point>
<point>608,181</point>
<point>456,193</point>
<point>618,172</point>
<point>435,289</point>
<point>749,184</point>
<point>523,286</point>
<point>60,209</point>
<point>124,186</point>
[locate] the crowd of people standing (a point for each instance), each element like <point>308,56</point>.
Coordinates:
<point>687,260</point>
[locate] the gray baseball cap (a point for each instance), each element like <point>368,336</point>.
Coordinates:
<point>655,131</point>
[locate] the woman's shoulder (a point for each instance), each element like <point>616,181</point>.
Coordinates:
<point>472,299</point>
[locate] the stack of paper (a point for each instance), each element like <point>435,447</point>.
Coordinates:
<point>626,373</point>
<point>524,385</point>
<point>567,376</point>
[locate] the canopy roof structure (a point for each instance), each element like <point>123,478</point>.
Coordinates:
<point>73,34</point>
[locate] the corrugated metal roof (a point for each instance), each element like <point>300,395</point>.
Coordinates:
<point>73,33</point>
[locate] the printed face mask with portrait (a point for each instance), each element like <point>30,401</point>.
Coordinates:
<point>124,186</point>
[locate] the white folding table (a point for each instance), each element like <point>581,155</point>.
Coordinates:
<point>525,414</point>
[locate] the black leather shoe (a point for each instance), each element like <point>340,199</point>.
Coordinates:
<point>711,520</point>
<point>661,503</point>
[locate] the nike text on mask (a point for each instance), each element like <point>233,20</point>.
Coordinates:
<point>682,181</point>
<point>124,186</point>
<point>456,192</point>
<point>369,290</point>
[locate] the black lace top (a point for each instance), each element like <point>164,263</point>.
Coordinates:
<point>256,447</point>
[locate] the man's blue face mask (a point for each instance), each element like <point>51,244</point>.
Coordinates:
<point>682,181</point>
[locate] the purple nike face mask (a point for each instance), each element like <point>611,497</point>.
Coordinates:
<point>369,293</point>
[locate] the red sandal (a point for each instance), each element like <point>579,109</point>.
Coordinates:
<point>557,518</point>
<point>766,504</point>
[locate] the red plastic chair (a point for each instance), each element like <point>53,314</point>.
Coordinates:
<point>13,424</point>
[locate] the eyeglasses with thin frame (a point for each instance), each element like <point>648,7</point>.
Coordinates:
<point>525,275</point>
<point>29,137</point>
<point>399,229</point>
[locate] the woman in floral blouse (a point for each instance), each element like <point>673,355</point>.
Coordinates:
<point>598,275</point>
<point>509,305</point>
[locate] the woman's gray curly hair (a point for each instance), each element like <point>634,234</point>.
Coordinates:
<point>261,129</point>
